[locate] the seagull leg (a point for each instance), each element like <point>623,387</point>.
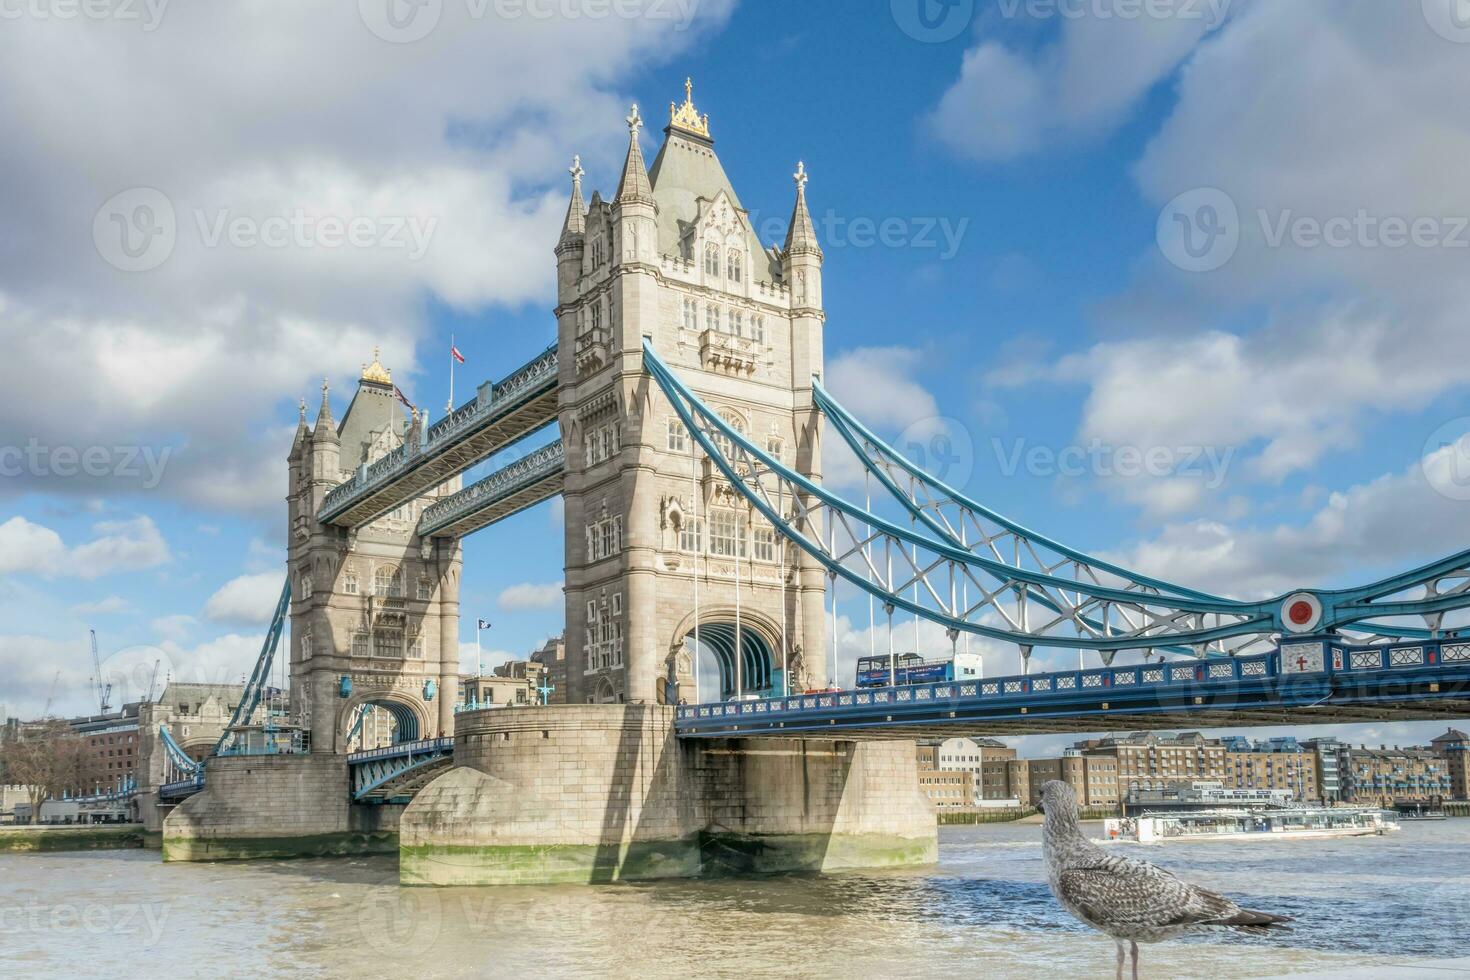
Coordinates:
<point>1122,955</point>
<point>1135,958</point>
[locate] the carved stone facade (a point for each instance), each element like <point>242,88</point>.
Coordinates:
<point>374,610</point>
<point>672,257</point>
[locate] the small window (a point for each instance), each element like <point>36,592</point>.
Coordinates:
<point>305,585</point>
<point>426,589</point>
<point>387,582</point>
<point>678,436</point>
<point>765,544</point>
<point>416,648</point>
<point>711,317</point>
<point>617,604</point>
<point>691,314</point>
<point>733,266</point>
<point>737,323</point>
<point>360,645</point>
<point>349,582</point>
<point>712,260</point>
<point>758,329</point>
<point>691,535</point>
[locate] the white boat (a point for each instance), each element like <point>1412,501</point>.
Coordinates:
<point>1276,824</point>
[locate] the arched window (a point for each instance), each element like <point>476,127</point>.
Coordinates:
<point>691,314</point>
<point>387,582</point>
<point>732,266</point>
<point>712,259</point>
<point>711,316</point>
<point>349,580</point>
<point>304,591</point>
<point>737,323</point>
<point>727,448</point>
<point>758,329</point>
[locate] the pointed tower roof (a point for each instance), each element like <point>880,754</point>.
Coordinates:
<point>325,427</point>
<point>576,219</point>
<point>303,433</point>
<point>634,185</point>
<point>801,237</point>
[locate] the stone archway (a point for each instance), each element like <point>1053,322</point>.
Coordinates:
<point>409,718</point>
<point>756,669</point>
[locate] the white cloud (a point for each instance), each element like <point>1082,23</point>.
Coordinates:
<point>1009,102</point>
<point>110,606</point>
<point>882,387</point>
<point>528,595</point>
<point>248,599</point>
<point>120,546</point>
<point>464,129</point>
<point>175,627</point>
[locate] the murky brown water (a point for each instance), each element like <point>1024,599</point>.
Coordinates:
<point>984,909</point>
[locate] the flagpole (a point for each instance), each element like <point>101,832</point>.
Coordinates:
<point>479,656</point>
<point>449,406</point>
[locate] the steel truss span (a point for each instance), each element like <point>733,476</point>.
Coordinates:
<point>973,571</point>
<point>1311,681</point>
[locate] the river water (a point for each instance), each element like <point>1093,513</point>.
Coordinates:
<point>983,909</point>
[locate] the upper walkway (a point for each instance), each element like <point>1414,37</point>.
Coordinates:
<point>1314,681</point>
<point>501,414</point>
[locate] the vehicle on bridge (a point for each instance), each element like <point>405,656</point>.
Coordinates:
<point>913,669</point>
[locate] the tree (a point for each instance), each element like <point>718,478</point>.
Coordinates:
<point>50,760</point>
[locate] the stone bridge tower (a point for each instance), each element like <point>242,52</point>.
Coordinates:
<point>654,531</point>
<point>374,609</point>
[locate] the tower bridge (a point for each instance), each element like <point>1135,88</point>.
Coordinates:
<point>685,387</point>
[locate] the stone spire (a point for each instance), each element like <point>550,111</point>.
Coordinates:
<point>325,427</point>
<point>801,237</point>
<point>576,220</point>
<point>634,186</point>
<point>303,433</point>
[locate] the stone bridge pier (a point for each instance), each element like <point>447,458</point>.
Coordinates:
<point>589,793</point>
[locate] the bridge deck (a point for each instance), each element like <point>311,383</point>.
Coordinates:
<point>507,491</point>
<point>1325,682</point>
<point>499,416</point>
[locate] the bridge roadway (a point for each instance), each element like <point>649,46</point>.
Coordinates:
<point>500,415</point>
<point>1324,682</point>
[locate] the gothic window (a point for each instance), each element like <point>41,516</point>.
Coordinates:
<point>711,316</point>
<point>306,644</point>
<point>712,259</point>
<point>305,590</point>
<point>691,535</point>
<point>765,544</point>
<point>349,581</point>
<point>426,589</point>
<point>691,314</point>
<point>360,644</point>
<point>727,447</point>
<point>617,603</point>
<point>678,436</point>
<point>727,534</point>
<point>416,648</point>
<point>774,446</point>
<point>737,323</point>
<point>602,443</point>
<point>596,315</point>
<point>732,266</point>
<point>387,582</point>
<point>387,642</point>
<point>758,329</point>
<point>604,538</point>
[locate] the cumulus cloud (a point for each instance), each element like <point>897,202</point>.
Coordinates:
<point>884,387</point>
<point>528,595</point>
<point>461,135</point>
<point>247,599</point>
<point>109,606</point>
<point>119,546</point>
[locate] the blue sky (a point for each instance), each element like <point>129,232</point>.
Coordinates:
<point>1024,157</point>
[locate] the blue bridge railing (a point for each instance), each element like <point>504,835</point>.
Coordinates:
<point>1308,669</point>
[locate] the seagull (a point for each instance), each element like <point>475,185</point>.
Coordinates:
<point>1132,901</point>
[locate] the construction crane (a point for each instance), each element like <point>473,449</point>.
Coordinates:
<point>153,681</point>
<point>51,696</point>
<point>104,692</point>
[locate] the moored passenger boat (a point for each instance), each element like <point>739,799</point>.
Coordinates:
<point>1223,824</point>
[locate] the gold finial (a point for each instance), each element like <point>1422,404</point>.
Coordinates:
<point>800,175</point>
<point>375,371</point>
<point>686,117</point>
